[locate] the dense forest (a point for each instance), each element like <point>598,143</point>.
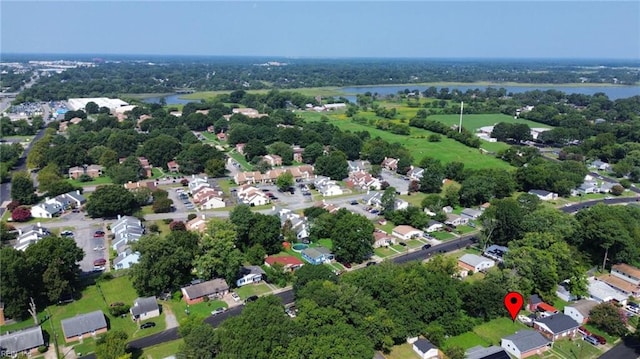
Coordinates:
<point>159,75</point>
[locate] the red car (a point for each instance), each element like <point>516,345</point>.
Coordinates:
<point>600,339</point>
<point>584,331</point>
<point>98,234</point>
<point>99,262</point>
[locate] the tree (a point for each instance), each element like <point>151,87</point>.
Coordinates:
<point>334,165</point>
<point>283,150</point>
<point>284,181</point>
<point>254,148</point>
<point>609,318</point>
<point>507,216</point>
<point>218,255</point>
<point>617,190</point>
<point>160,150</point>
<point>215,168</point>
<point>22,189</point>
<point>307,274</point>
<point>177,226</point>
<point>21,214</point>
<point>200,339</point>
<point>265,230</point>
<point>91,108</point>
<point>388,200</point>
<point>312,152</point>
<point>162,205</point>
<point>352,238</point>
<point>455,171</point>
<point>111,345</point>
<point>109,201</point>
<point>431,181</point>
<point>455,352</point>
<point>47,176</point>
<point>14,275</point>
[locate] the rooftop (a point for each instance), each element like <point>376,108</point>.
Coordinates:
<point>144,305</point>
<point>627,269</point>
<point>22,340</point>
<point>558,323</point>
<point>83,323</point>
<point>526,340</point>
<point>206,288</point>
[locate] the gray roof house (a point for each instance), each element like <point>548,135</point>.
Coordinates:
<point>83,324</point>
<point>492,352</point>
<point>249,275</point>
<point>21,341</point>
<point>471,213</point>
<point>425,349</point>
<point>556,326</point>
<point>525,343</point>
<point>30,235</point>
<point>215,287</point>
<point>373,198</point>
<point>145,308</point>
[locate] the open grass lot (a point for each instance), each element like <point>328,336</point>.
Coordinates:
<point>576,348</point>
<point>383,252</point>
<point>252,289</point>
<point>465,340</point>
<point>446,150</point>
<point>202,309</point>
<point>474,122</point>
<point>246,166</point>
<point>163,350</point>
<point>403,351</point>
<point>496,329</point>
<point>442,235</point>
<point>96,181</point>
<point>414,199</point>
<point>325,242</point>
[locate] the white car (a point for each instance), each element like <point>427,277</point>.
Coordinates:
<point>219,311</point>
<point>524,319</point>
<point>235,296</point>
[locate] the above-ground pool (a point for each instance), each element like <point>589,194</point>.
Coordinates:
<point>299,247</point>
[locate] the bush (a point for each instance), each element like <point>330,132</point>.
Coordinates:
<point>85,178</point>
<point>13,205</point>
<point>177,226</point>
<point>623,182</point>
<point>617,190</point>
<point>434,138</point>
<point>205,299</point>
<point>106,276</point>
<point>21,214</point>
<point>42,349</point>
<point>153,228</point>
<point>167,220</point>
<point>177,295</point>
<point>191,216</point>
<point>118,309</point>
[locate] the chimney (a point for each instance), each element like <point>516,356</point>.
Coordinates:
<point>119,215</point>
<point>78,191</point>
<point>203,217</point>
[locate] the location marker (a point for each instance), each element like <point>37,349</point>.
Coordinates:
<point>513,301</point>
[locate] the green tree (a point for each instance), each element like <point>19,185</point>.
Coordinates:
<point>609,318</point>
<point>160,150</point>
<point>283,150</point>
<point>47,176</point>
<point>17,282</point>
<point>218,255</point>
<point>307,274</point>
<point>312,152</point>
<point>109,201</point>
<point>431,181</point>
<point>352,238</point>
<point>111,345</point>
<point>22,189</point>
<point>388,199</point>
<point>284,181</point>
<point>334,165</point>
<point>200,340</point>
<point>215,168</point>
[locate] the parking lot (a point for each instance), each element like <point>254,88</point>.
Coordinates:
<point>285,198</point>
<point>181,200</point>
<point>395,180</point>
<point>93,247</point>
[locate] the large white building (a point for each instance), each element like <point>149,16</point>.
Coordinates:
<point>110,103</point>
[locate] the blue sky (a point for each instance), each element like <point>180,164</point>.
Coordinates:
<point>425,29</point>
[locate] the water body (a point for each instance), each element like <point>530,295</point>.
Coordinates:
<point>614,92</point>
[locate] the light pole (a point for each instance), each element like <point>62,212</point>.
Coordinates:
<point>53,333</point>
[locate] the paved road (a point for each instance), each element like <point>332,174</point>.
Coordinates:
<point>585,204</point>
<point>628,348</point>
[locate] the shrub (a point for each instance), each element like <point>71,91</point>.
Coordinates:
<point>21,214</point>
<point>177,226</point>
<point>13,205</point>
<point>191,216</point>
<point>85,178</point>
<point>153,228</point>
<point>205,299</point>
<point>106,276</point>
<point>617,190</point>
<point>117,309</point>
<point>167,220</point>
<point>623,182</point>
<point>42,349</point>
<point>177,295</point>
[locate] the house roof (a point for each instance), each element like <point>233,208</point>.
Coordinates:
<point>492,352</point>
<point>433,223</point>
<point>312,253</point>
<point>526,340</point>
<point>473,259</point>
<point>404,229</point>
<point>547,307</point>
<point>22,340</point>
<point>535,299</point>
<point>558,323</point>
<point>424,345</point>
<point>144,305</point>
<point>618,283</point>
<point>539,192</point>
<point>284,260</point>
<point>603,291</point>
<point>625,268</point>
<point>583,306</point>
<point>252,270</point>
<point>83,323</point>
<point>471,212</point>
<point>76,196</point>
<point>206,288</point>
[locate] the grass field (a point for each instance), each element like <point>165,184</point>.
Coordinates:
<point>96,181</point>
<point>473,122</point>
<point>253,289</point>
<point>403,351</point>
<point>163,350</point>
<point>447,150</point>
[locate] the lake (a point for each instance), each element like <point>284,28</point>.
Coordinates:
<point>614,92</point>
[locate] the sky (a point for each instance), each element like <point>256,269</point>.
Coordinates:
<point>325,29</point>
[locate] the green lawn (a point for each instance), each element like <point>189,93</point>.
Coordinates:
<point>252,289</point>
<point>96,181</point>
<point>494,330</point>
<point>473,122</point>
<point>576,349</point>
<point>414,199</point>
<point>442,235</point>
<point>246,166</point>
<point>163,350</point>
<point>466,340</point>
<point>447,150</point>
<point>325,242</point>
<point>383,252</point>
<point>202,309</point>
<point>465,229</point>
<point>559,304</point>
<point>403,351</point>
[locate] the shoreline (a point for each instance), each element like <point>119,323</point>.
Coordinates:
<point>497,84</point>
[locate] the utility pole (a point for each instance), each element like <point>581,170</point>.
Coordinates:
<point>461,108</point>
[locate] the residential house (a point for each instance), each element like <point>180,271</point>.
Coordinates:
<point>601,292</point>
<point>626,272</point>
<point>240,148</point>
<point>363,180</point>
<point>297,153</point>
<point>415,173</point>
<point>373,199</point>
<point>587,188</point>
<point>400,204</point>
<point>195,293</point>
<point>456,220</point>
<point>544,195</point>
<point>580,310</point>
<point>250,275</point>
<point>303,172</point>
<point>173,166</point>
<point>382,239</point>
<point>525,343</point>
<point>605,187</point>
<point>208,198</point>
<point>358,166</point>
<point>145,308</point>
<point>289,263</point>
<point>600,165</point>
<point>390,163</point>
<point>329,207</point>
<point>425,349</point>
<point>125,258</point>
<point>317,255</point>
<point>221,136</point>
<point>84,326</point>
<point>562,291</point>
<point>249,112</point>
<point>621,285</point>
<point>434,226</point>
<point>198,224</point>
<point>471,214</point>
<point>30,235</point>
<point>132,186</point>
<point>25,341</point>
<point>475,263</point>
<point>93,171</point>
<point>492,352</point>
<point>557,326</point>
<point>298,223</point>
<point>536,304</point>
<point>273,160</point>
<point>405,232</point>
<point>75,198</point>
<point>48,209</point>
<point>196,183</point>
<point>327,187</point>
<point>252,196</point>
<point>495,252</point>
<point>447,209</point>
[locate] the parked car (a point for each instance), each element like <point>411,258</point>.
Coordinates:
<point>591,340</point>
<point>66,234</point>
<point>99,262</point>
<point>426,246</point>
<point>402,244</point>
<point>353,203</point>
<point>98,234</point>
<point>584,331</point>
<point>346,265</point>
<point>252,298</point>
<point>235,296</point>
<point>219,311</point>
<point>599,338</point>
<point>369,264</point>
<point>148,325</point>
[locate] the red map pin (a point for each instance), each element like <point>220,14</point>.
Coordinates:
<point>513,301</point>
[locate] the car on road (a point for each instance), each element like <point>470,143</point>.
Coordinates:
<point>98,234</point>
<point>235,296</point>
<point>252,298</point>
<point>75,210</point>
<point>369,264</point>
<point>99,262</point>
<point>148,325</point>
<point>353,203</point>
<point>218,311</point>
<point>402,244</point>
<point>426,246</point>
<point>66,234</point>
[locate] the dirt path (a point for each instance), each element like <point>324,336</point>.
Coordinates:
<point>169,317</point>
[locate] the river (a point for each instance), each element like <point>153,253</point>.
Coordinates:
<point>614,92</point>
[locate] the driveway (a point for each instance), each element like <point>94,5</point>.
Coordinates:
<point>83,230</point>
<point>395,180</point>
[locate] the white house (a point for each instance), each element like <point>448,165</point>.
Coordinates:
<point>145,308</point>
<point>382,239</point>
<point>601,292</point>
<point>327,187</point>
<point>30,235</point>
<point>456,220</point>
<point>196,182</point>
<point>48,209</point>
<point>252,196</point>
<point>525,343</point>
<point>405,232</point>
<point>400,204</point>
<point>126,258</point>
<point>475,263</point>
<point>250,275</point>
<point>600,165</point>
<point>415,173</point>
<point>434,226</point>
<point>470,213</point>
<point>579,311</point>
<point>544,195</point>
<point>626,272</point>
<point>425,349</point>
